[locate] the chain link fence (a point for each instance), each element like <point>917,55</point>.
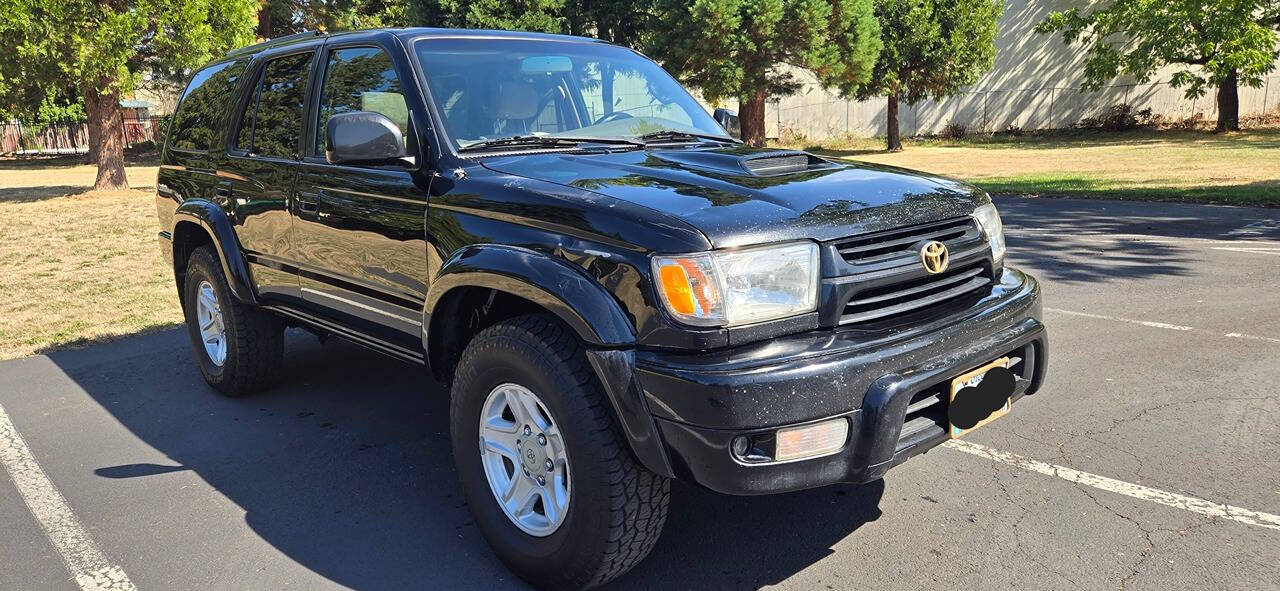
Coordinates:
<point>73,138</point>
<point>815,113</point>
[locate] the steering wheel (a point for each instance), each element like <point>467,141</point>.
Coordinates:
<point>614,116</point>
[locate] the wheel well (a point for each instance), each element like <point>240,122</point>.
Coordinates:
<point>461,314</point>
<point>187,237</point>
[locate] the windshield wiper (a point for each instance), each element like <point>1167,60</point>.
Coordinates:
<point>545,141</point>
<point>673,135</point>
<point>535,141</point>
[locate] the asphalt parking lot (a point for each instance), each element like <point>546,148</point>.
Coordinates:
<point>1150,460</point>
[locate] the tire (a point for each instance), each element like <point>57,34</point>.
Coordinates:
<point>254,339</point>
<point>616,508</point>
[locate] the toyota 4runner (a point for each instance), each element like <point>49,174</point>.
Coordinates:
<point>614,289</point>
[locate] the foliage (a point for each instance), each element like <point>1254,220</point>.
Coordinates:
<point>932,48</point>
<point>618,21</point>
<point>517,15</point>
<point>52,108</point>
<point>1208,39</point>
<point>1219,43</point>
<point>1119,117</point>
<point>955,130</point>
<point>727,48</point>
<point>278,18</point>
<point>103,49</point>
<point>738,48</point>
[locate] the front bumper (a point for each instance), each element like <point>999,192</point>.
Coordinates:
<point>702,401</point>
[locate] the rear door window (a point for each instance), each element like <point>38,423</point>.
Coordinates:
<point>197,125</point>
<point>272,123</point>
<point>360,79</point>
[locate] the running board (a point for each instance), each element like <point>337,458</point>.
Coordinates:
<point>343,332</point>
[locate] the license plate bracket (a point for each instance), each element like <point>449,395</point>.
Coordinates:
<point>980,396</point>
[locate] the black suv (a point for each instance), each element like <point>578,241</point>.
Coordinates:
<point>616,291</point>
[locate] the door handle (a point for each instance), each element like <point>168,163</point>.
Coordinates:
<point>308,202</point>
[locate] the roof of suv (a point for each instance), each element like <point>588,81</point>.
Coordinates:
<point>412,33</point>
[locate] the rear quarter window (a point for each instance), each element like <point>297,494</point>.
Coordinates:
<point>198,123</point>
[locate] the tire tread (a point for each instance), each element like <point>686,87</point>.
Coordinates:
<point>638,499</point>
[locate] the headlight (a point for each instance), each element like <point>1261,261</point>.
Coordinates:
<point>989,219</point>
<point>735,287</point>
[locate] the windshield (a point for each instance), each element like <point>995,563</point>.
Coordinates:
<point>488,89</point>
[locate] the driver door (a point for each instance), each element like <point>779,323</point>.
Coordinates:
<point>359,229</point>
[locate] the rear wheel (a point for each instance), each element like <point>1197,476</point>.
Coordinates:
<point>239,348</point>
<point>546,473</point>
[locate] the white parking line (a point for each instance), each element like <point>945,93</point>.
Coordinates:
<point>91,570</point>
<point>1137,491</point>
<point>1118,319</point>
<point>1265,250</point>
<point>1251,244</point>
<point>1178,327</point>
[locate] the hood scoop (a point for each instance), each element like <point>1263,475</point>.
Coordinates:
<point>767,164</point>
<point>750,163</point>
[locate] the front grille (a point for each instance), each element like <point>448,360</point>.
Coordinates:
<point>880,279</point>
<point>904,242</point>
<point>900,298</point>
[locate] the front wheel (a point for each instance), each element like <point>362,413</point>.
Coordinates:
<point>551,482</point>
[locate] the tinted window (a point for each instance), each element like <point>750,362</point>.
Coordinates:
<point>360,79</point>
<point>272,122</point>
<point>496,88</point>
<point>198,122</point>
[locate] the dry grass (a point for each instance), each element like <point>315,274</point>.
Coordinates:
<point>78,266</point>
<point>1240,168</point>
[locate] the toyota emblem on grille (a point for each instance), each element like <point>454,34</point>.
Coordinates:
<point>933,255</point>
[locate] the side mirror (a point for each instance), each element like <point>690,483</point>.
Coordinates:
<point>362,137</point>
<point>729,121</point>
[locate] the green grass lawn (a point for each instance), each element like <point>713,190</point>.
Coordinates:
<point>1241,168</point>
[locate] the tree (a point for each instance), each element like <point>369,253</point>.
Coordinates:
<point>104,47</point>
<point>932,49</point>
<point>515,15</point>
<point>1222,43</point>
<point>740,48</point>
<point>277,18</point>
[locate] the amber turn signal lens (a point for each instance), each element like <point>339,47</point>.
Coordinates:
<point>675,285</point>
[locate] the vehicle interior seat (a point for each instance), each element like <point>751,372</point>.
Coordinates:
<point>514,104</point>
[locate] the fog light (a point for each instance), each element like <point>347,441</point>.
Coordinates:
<point>818,439</point>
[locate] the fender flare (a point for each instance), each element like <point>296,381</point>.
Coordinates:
<point>555,284</point>
<point>580,302</point>
<point>210,217</point>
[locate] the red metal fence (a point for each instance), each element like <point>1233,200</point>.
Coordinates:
<point>73,138</point>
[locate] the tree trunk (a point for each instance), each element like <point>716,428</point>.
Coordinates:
<point>105,115</point>
<point>90,111</point>
<point>1228,104</point>
<point>264,20</point>
<point>752,118</point>
<point>891,124</point>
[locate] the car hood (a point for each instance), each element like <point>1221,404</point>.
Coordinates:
<point>738,196</point>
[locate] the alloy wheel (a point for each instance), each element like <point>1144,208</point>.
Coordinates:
<point>524,459</point>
